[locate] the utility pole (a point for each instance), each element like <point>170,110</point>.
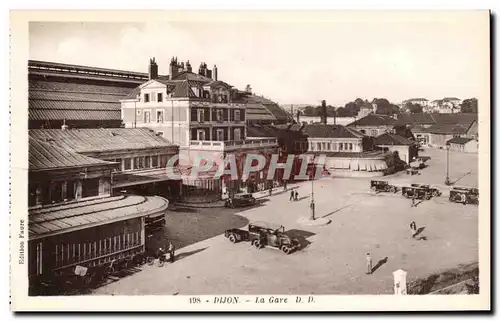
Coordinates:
<point>313,205</point>
<point>447,180</point>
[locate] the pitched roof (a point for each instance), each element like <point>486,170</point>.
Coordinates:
<point>392,139</point>
<point>459,140</point>
<point>43,156</point>
<point>436,118</point>
<point>52,100</point>
<point>52,220</point>
<point>330,131</point>
<point>100,139</point>
<point>374,120</point>
<point>448,129</point>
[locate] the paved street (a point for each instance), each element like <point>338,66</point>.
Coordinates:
<point>333,259</point>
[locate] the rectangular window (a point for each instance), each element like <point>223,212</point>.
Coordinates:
<point>200,134</point>
<point>138,162</point>
<point>147,117</point>
<point>201,115</point>
<point>328,146</point>
<point>318,145</point>
<point>219,115</point>
<point>341,146</point>
<point>146,98</point>
<point>374,132</point>
<point>311,146</point>
<point>220,134</point>
<point>237,134</point>
<point>159,116</point>
<point>163,160</point>
<point>127,164</point>
<point>90,187</point>
<point>154,161</point>
<point>350,146</point>
<point>160,97</point>
<point>147,161</point>
<point>237,115</point>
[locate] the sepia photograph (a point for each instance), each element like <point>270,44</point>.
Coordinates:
<point>251,160</point>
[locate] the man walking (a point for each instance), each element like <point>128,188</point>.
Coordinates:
<point>369,266</point>
<point>171,251</point>
<point>296,197</point>
<point>292,195</point>
<point>413,228</point>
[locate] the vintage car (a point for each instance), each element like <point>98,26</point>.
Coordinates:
<point>464,195</point>
<point>382,186</point>
<point>241,199</point>
<point>433,191</point>
<point>416,192</point>
<point>262,234</point>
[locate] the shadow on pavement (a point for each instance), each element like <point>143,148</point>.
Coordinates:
<point>184,255</point>
<point>183,209</point>
<point>337,210</point>
<point>301,236</point>
<point>455,181</point>
<point>419,230</point>
<point>379,264</point>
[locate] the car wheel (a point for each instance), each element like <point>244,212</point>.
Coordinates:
<point>393,189</point>
<point>286,249</point>
<point>435,193</point>
<point>406,195</point>
<point>253,242</point>
<point>258,245</point>
<point>232,238</point>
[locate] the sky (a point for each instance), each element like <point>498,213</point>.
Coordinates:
<point>301,61</point>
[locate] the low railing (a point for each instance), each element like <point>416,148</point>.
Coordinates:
<point>222,145</point>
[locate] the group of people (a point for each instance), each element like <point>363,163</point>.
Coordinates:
<point>294,195</point>
<point>162,253</point>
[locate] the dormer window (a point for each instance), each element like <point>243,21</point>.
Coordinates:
<point>146,98</point>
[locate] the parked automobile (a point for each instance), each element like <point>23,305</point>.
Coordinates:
<point>262,234</point>
<point>383,186</point>
<point>464,195</point>
<point>433,191</point>
<point>238,200</point>
<point>416,192</point>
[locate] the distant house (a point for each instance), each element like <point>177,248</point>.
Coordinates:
<point>406,149</point>
<point>373,124</point>
<point>423,126</point>
<point>466,145</point>
<point>420,101</point>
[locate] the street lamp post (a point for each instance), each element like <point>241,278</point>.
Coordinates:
<point>312,205</point>
<point>447,180</point>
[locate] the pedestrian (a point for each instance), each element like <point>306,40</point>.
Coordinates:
<point>369,267</point>
<point>271,190</point>
<point>292,195</point>
<point>413,228</point>
<point>171,251</point>
<point>296,197</point>
<point>285,186</point>
<point>413,201</point>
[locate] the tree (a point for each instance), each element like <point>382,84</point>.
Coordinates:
<point>343,112</point>
<point>469,106</point>
<point>414,108</point>
<point>384,107</point>
<point>309,111</point>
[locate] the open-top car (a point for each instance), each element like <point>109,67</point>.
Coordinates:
<point>241,199</point>
<point>416,192</point>
<point>464,195</point>
<point>382,186</point>
<point>433,191</point>
<point>262,234</point>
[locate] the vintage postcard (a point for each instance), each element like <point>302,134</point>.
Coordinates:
<point>250,160</point>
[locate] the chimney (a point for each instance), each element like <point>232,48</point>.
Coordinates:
<point>323,112</point>
<point>188,67</point>
<point>298,116</point>
<point>153,69</point>
<point>248,89</point>
<point>374,107</point>
<point>64,126</point>
<point>215,72</point>
<point>208,73</point>
<point>173,68</point>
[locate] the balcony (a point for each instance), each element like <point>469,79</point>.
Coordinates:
<point>233,145</point>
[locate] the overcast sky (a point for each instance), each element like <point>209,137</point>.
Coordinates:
<point>291,61</point>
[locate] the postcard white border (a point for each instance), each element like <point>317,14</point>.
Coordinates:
<point>19,157</point>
